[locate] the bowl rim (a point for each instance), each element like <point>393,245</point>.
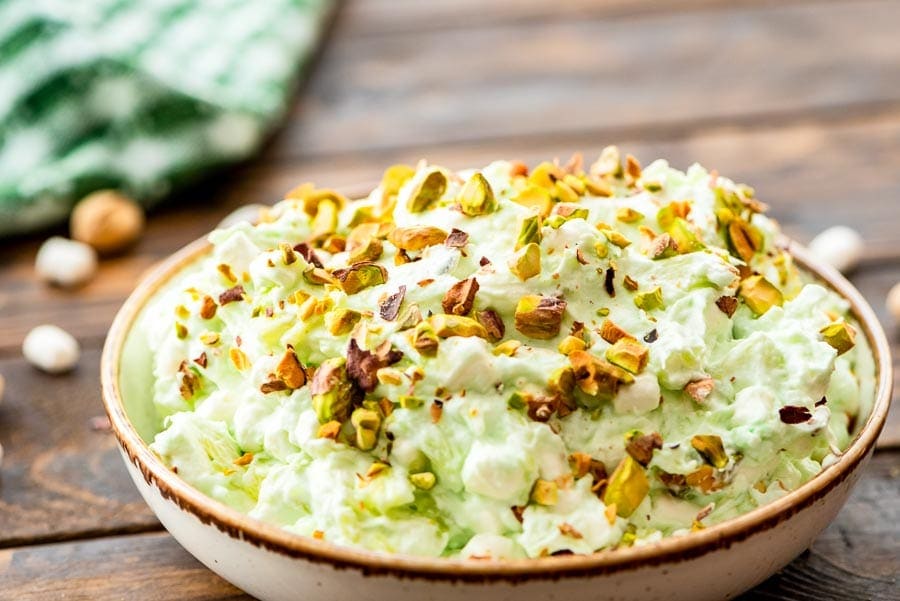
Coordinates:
<point>669,550</point>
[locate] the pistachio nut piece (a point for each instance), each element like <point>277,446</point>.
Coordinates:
<point>539,316</point>
<point>417,237</point>
<point>477,197</point>
<point>332,391</point>
<point>627,487</point>
<point>628,354</point>
<point>529,231</point>
<point>840,335</point>
<point>711,449</point>
<point>545,492</point>
<point>446,326</point>
<point>359,276</point>
<point>423,480</point>
<point>366,422</point>
<point>526,263</point>
<point>760,294</point>
<point>428,191</point>
<point>596,377</point>
<point>649,301</point>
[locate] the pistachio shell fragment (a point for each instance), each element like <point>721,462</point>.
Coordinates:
<point>332,391</point>
<point>477,197</point>
<point>711,449</point>
<point>648,301</point>
<point>596,377</point>
<point>427,192</point>
<point>760,294</point>
<point>526,263</point>
<point>446,326</point>
<point>529,232</point>
<point>539,316</point>
<point>360,276</point>
<point>840,335</point>
<point>366,422</point>
<point>627,487</point>
<point>628,354</point>
<point>417,237</point>
<point>545,492</point>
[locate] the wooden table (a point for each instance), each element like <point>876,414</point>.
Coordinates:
<point>800,98</point>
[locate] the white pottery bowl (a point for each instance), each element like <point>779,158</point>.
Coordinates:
<point>718,562</point>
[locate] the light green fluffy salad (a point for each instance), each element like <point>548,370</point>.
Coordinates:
<point>504,363</point>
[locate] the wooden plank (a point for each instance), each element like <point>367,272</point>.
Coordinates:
<point>389,17</point>
<point>61,478</point>
<point>540,78</point>
<point>856,558</point>
<point>150,567</point>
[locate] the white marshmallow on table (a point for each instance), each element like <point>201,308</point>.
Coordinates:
<point>65,262</point>
<point>839,246</point>
<point>51,349</point>
<point>893,302</point>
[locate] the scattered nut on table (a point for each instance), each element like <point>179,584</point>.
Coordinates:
<point>51,349</point>
<point>839,246</point>
<point>65,262</point>
<point>893,302</point>
<point>107,220</point>
<point>249,213</point>
<point>2,388</point>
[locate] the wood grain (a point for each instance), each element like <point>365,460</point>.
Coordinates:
<point>61,478</point>
<point>857,557</point>
<point>549,77</point>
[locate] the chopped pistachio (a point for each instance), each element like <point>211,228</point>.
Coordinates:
<point>563,192</point>
<point>632,167</point>
<point>641,446</point>
<point>181,330</point>
<point>492,324</point>
<point>627,487</point>
<point>744,239</point>
<point>318,276</point>
<point>424,339</point>
<point>326,219</point>
<point>630,283</point>
<point>727,304</point>
<point>536,198</point>
<point>530,231</point>
<point>410,317</point>
<point>391,181</point>
<point>597,187</point>
<point>686,241</point>
<point>290,371</point>
<point>628,354</point>
<point>238,358</point>
<point>341,321</point>
<point>601,247</point>
<point>446,326</point>
<point>760,295</point>
<point>460,298</point>
<point>359,276</point>
<point>667,215</point>
<point>614,236</point>
<point>662,247</point>
<point>612,333</point>
<point>288,255</point>
<point>711,449</point>
<point>518,400</point>
<point>575,183</point>
<point>628,215</point>
<point>596,377</point>
<point>609,163</point>
<point>561,383</point>
<point>539,316</point>
<point>417,237</point>
<point>840,335</point>
<point>366,422</point>
<point>545,175</point>
<point>648,301</point>
<point>526,263</point>
<point>507,348</point>
<point>545,492</point>
<point>570,344</point>
<point>208,307</point>
<point>700,389</point>
<point>570,211</point>
<point>427,192</point>
<point>477,197</point>
<point>389,376</point>
<point>376,469</point>
<point>423,480</point>
<point>329,430</point>
<point>332,391</point>
<point>370,250</point>
<point>209,338</point>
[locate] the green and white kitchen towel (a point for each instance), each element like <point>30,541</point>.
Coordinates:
<point>140,95</point>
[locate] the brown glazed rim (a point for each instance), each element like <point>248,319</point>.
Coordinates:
<point>667,551</point>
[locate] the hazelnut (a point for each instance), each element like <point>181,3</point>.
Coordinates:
<point>107,220</point>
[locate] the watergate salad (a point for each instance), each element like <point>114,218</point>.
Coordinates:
<point>505,362</point>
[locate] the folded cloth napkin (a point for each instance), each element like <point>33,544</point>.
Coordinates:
<point>140,95</point>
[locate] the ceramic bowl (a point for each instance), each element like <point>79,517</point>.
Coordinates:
<point>718,562</point>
